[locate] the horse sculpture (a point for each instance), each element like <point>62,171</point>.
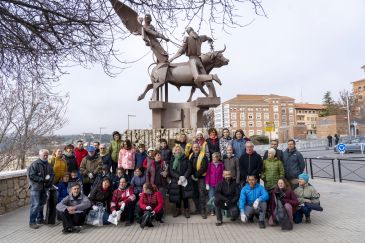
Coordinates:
<point>179,74</point>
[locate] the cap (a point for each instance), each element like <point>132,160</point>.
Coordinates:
<point>91,149</point>
<point>150,149</point>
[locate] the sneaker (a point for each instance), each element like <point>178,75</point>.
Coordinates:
<point>41,222</point>
<point>204,215</point>
<point>212,213</point>
<point>187,213</point>
<point>218,223</point>
<point>34,226</point>
<point>67,230</point>
<point>76,229</point>
<point>308,220</point>
<point>177,213</point>
<point>262,224</point>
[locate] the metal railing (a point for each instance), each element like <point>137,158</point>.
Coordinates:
<point>351,170</point>
<point>322,168</point>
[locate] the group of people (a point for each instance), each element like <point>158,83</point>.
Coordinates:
<point>220,174</point>
<point>330,139</point>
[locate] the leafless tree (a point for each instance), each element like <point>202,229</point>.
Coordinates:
<point>208,118</point>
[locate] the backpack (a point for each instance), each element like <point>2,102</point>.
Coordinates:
<point>282,216</point>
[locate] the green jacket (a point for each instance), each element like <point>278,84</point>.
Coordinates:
<point>114,148</point>
<point>307,194</point>
<point>272,170</point>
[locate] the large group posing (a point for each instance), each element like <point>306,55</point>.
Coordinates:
<point>221,175</point>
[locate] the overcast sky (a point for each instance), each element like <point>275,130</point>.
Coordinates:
<point>301,50</point>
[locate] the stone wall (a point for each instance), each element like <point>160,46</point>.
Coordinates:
<point>14,191</point>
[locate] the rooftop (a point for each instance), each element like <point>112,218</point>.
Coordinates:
<point>308,106</point>
<point>257,98</point>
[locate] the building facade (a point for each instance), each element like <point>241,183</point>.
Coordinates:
<point>307,114</point>
<point>252,113</point>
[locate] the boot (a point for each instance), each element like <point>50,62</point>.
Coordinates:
<point>187,213</point>
<point>177,212</point>
<point>204,213</point>
<point>262,224</point>
<point>308,220</point>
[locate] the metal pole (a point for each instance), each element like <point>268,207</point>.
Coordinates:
<point>311,168</point>
<point>348,114</point>
<point>339,170</point>
<point>333,169</point>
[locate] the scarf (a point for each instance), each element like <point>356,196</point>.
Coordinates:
<point>176,162</point>
<point>199,161</point>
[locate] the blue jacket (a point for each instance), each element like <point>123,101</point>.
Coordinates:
<point>249,195</point>
<point>238,147</point>
<point>139,158</point>
<point>62,191</point>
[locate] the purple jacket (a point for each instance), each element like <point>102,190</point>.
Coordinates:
<point>214,174</point>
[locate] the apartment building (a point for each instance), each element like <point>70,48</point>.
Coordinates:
<point>307,114</point>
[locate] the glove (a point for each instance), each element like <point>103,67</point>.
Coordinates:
<point>256,204</point>
<point>301,205</point>
<point>207,187</point>
<point>153,212</point>
<point>243,217</point>
<point>182,179</point>
<point>114,213</point>
<point>148,208</point>
<point>122,206</point>
<point>91,175</point>
<point>95,207</point>
<point>47,177</point>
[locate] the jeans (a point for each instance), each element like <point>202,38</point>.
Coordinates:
<point>261,211</point>
<point>298,216</point>
<point>211,194</point>
<point>38,199</point>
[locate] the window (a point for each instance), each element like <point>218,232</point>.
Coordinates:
<point>283,117</point>
<point>251,132</point>
<point>305,112</point>
<point>258,124</point>
<point>291,118</point>
<point>266,116</point>
<point>276,108</point>
<point>308,118</point>
<point>283,123</point>
<point>283,110</point>
<point>292,123</point>
<point>265,109</point>
<point>233,115</point>
<point>291,110</point>
<point>276,116</point>
<point>250,116</point>
<point>242,124</point>
<point>242,116</point>
<point>234,124</point>
<point>251,124</point>
<point>258,116</point>
<point>276,123</point>
<point>259,132</point>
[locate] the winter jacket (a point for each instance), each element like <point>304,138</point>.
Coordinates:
<point>71,162</point>
<point>233,165</point>
<point>239,147</point>
<point>214,173</point>
<point>272,170</point>
<point>165,154</point>
<point>184,169</point>
<point>159,180</point>
<point>99,178</point>
<point>154,200</point>
<point>81,203</point>
<point>249,195</point>
<point>99,195</point>
<point>307,194</point>
<point>126,159</point>
<point>106,160</point>
<point>137,182</point>
<point>250,164</point>
<point>149,170</point>
<point>62,191</point>
<point>293,164</point>
<point>59,166</point>
<point>125,195</point>
<point>114,149</point>
<point>212,147</point>
<point>288,198</point>
<point>80,154</point>
<point>201,173</point>
<point>37,172</point>
<point>223,144</point>
<point>139,158</point>
<point>279,155</point>
<point>90,165</point>
<point>186,147</point>
<point>227,191</point>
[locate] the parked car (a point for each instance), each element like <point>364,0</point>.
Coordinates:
<point>353,146</point>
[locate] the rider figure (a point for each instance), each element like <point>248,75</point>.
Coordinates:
<point>192,48</point>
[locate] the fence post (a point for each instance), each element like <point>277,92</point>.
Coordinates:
<point>311,168</point>
<point>339,170</point>
<point>306,165</point>
<point>333,169</point>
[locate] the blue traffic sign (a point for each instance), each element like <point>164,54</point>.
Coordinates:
<point>341,148</point>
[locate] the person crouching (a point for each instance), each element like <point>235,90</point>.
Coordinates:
<point>151,205</point>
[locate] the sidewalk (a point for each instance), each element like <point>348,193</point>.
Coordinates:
<point>339,222</point>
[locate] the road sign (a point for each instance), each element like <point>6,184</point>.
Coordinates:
<point>341,148</point>
<point>269,126</point>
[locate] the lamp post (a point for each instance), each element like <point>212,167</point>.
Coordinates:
<point>128,119</point>
<point>355,126</point>
<point>348,114</point>
<point>100,128</point>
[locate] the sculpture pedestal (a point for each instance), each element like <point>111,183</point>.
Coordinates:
<point>181,115</point>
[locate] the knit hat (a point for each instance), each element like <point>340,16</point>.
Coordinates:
<point>199,132</point>
<point>304,176</point>
<point>91,149</point>
<point>151,149</point>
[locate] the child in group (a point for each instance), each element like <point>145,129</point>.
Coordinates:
<point>213,176</point>
<point>63,187</point>
<point>137,181</point>
<point>141,155</point>
<point>116,179</point>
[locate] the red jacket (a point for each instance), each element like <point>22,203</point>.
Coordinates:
<point>80,154</point>
<point>127,196</point>
<point>155,201</point>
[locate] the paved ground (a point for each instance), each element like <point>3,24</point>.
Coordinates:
<point>339,222</point>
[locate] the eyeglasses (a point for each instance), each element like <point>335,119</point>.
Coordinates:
<point>102,148</point>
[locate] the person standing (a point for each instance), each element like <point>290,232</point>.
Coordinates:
<point>214,175</point>
<point>329,138</point>
<point>69,156</point>
<point>272,170</point>
<point>212,143</point>
<point>126,159</point>
<point>105,156</point>
<point>59,166</point>
<point>40,175</point>
<point>293,163</point>
<point>232,164</point>
<point>239,142</point>
<point>250,163</point>
<point>279,153</point>
<point>337,139</point>
<point>165,151</point>
<point>90,167</point>
<point>224,142</point>
<point>114,148</point>
<point>80,152</point>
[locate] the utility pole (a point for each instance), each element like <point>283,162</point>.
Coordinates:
<point>348,113</point>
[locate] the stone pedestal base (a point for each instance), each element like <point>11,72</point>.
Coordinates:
<point>181,115</point>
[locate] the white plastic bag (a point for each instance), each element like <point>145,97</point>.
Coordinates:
<point>95,216</point>
<point>115,219</point>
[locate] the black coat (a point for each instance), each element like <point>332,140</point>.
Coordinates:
<point>203,168</point>
<point>279,155</point>
<point>227,192</point>
<point>184,169</point>
<point>165,154</point>
<point>71,162</point>
<point>107,160</point>
<point>250,165</point>
<point>99,196</point>
<point>212,147</point>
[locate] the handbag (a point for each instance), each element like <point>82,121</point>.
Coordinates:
<point>114,219</point>
<point>282,216</point>
<point>95,216</point>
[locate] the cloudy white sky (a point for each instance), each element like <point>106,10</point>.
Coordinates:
<point>301,49</point>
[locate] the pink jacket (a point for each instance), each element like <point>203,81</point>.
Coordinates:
<point>126,159</point>
<point>214,173</point>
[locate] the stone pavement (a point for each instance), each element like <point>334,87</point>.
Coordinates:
<point>339,222</point>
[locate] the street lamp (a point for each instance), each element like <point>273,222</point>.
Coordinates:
<point>100,128</point>
<point>128,119</point>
